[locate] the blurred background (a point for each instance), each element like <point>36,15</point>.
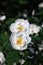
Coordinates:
<point>12,8</point>
<point>27,9</point>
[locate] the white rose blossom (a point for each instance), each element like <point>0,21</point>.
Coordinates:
<point>2,58</point>
<point>34,29</point>
<point>19,41</point>
<point>2,18</point>
<point>20,34</point>
<point>41,5</point>
<point>20,25</point>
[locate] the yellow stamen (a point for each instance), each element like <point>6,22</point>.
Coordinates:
<point>20,28</point>
<point>32,31</point>
<point>19,41</point>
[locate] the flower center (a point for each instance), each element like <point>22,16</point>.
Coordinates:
<point>19,41</point>
<point>20,28</point>
<point>32,31</point>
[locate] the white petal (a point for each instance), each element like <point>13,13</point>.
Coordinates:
<point>12,27</point>
<point>19,20</point>
<point>26,23</point>
<point>29,39</point>
<point>2,58</point>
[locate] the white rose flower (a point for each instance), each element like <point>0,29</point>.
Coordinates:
<point>34,29</point>
<point>2,18</point>
<point>19,41</point>
<point>2,58</point>
<point>20,25</point>
<point>41,5</point>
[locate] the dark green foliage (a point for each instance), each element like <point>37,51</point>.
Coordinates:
<point>14,9</point>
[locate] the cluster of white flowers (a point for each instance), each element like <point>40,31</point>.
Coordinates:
<point>21,30</point>
<point>2,58</point>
